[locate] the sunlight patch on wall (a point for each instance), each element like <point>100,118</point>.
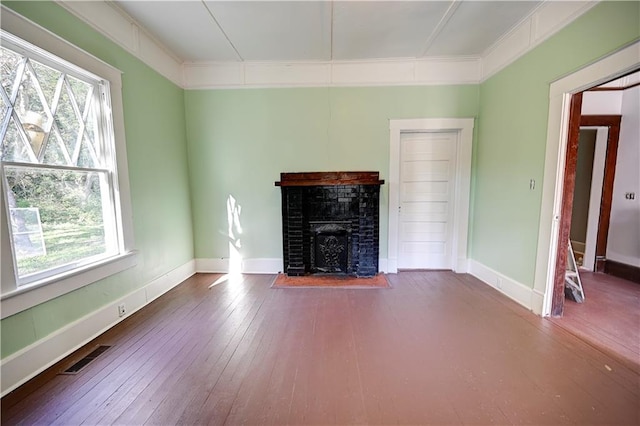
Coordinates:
<point>234,231</point>
<point>234,209</point>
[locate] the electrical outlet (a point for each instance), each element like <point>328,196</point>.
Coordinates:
<point>121,310</point>
<point>499,283</point>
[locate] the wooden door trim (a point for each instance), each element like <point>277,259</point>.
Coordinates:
<point>577,120</point>
<point>557,302</point>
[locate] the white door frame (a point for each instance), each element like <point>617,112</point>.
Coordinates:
<point>463,127</point>
<point>560,92</point>
<point>595,195</point>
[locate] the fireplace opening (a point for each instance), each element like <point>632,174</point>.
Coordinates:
<point>330,247</point>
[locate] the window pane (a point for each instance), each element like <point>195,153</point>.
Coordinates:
<point>80,91</point>
<point>30,108</point>
<point>9,62</point>
<point>71,206</point>
<point>3,109</point>
<point>86,157</point>
<point>26,228</point>
<point>13,146</point>
<point>67,122</point>
<point>48,79</point>
<point>91,130</point>
<point>54,151</point>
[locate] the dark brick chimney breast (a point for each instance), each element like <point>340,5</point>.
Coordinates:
<point>330,223</point>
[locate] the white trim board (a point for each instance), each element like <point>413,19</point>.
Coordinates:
<point>389,72</point>
<point>512,289</point>
<point>560,92</point>
<point>25,364</point>
<point>248,266</point>
<point>110,21</point>
<point>115,24</point>
<point>464,129</point>
<point>545,21</point>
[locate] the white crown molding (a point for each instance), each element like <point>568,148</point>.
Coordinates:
<point>544,22</point>
<point>336,73</point>
<point>112,22</point>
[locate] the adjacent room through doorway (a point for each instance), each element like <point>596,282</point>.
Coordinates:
<point>604,223</point>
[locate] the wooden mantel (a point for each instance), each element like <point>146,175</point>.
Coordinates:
<point>329,179</point>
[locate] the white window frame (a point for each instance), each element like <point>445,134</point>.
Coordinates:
<point>16,298</point>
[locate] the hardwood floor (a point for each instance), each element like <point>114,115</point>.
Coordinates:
<point>436,348</point>
<point>609,318</point>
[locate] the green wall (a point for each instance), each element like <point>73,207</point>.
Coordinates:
<point>512,131</point>
<point>240,140</point>
<point>158,173</point>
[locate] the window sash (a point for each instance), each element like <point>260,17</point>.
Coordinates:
<point>110,225</point>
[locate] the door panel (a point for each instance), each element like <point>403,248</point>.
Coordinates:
<point>427,174</point>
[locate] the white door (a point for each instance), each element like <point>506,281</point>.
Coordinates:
<point>427,178</point>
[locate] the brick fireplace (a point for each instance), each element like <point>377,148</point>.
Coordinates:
<point>330,223</point>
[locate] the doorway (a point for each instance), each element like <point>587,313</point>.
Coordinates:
<point>587,199</point>
<point>603,171</point>
<point>573,192</point>
<point>459,144</point>
<point>560,99</point>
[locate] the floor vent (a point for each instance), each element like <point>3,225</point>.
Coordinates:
<point>78,366</point>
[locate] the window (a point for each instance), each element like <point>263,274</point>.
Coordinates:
<point>64,190</point>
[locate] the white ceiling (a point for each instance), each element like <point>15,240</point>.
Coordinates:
<point>223,31</point>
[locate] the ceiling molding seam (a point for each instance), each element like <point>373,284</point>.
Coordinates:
<point>331,32</point>
<point>443,21</point>
<point>226,36</point>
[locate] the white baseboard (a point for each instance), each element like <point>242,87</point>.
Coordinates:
<point>514,290</point>
<point>462,265</point>
<point>248,266</point>
<point>392,266</point>
<point>218,265</point>
<point>383,265</point>
<point>262,266</point>
<point>537,302</point>
<point>25,364</point>
<point>256,265</point>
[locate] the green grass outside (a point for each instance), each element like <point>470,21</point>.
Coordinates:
<point>64,243</point>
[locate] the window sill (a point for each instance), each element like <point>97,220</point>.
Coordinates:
<point>41,291</point>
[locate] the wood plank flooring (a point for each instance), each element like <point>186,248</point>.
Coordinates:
<point>436,348</point>
<point>609,318</point>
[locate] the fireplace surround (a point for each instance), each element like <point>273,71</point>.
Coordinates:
<point>330,223</point>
